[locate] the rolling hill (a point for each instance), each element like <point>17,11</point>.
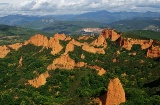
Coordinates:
<point>12,34</point>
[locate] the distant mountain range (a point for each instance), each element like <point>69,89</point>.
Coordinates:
<point>149,23</point>
<point>99,16</point>
<point>122,21</point>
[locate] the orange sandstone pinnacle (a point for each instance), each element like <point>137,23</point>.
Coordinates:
<point>115,94</point>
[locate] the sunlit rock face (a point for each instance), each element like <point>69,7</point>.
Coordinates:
<point>100,70</point>
<point>129,42</point>
<point>110,33</point>
<point>39,81</point>
<point>92,49</point>
<point>153,52</point>
<point>115,94</point>
<point>38,40</point>
<point>16,46</point>
<point>64,62</point>
<point>4,50</point>
<point>100,41</point>
<point>54,44</point>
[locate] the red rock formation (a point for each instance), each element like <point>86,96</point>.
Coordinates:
<point>100,41</point>
<point>100,70</point>
<point>110,33</point>
<point>55,45</point>
<point>76,42</point>
<point>64,62</point>
<point>91,49</point>
<point>68,38</point>
<point>38,40</point>
<point>60,36</point>
<point>81,64</point>
<point>83,37</point>
<point>39,81</point>
<point>115,94</point>
<point>128,43</point>
<point>4,50</point>
<point>153,52</point>
<point>69,48</point>
<point>16,46</point>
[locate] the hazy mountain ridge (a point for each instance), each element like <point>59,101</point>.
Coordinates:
<point>99,16</point>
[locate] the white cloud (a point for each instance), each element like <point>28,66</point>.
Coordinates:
<point>43,7</point>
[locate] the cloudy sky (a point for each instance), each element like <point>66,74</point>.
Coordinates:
<point>47,7</point>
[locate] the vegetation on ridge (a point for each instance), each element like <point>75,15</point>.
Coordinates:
<point>138,74</point>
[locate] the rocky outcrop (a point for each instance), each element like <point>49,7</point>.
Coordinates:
<point>92,49</point>
<point>38,40</point>
<point>100,41</point>
<point>76,42</point>
<point>100,70</point>
<point>81,64</point>
<point>54,44</point>
<point>60,36</point>
<point>64,62</point>
<point>16,46</point>
<point>115,94</point>
<point>110,33</point>
<point>68,38</point>
<point>39,81</point>
<point>127,43</point>
<point>83,37</point>
<point>153,52</point>
<point>69,48</point>
<point>4,50</point>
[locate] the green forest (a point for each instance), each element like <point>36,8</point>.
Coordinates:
<point>80,85</point>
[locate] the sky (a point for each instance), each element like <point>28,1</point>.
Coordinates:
<point>49,7</point>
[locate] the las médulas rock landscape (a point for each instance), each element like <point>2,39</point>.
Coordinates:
<point>115,94</point>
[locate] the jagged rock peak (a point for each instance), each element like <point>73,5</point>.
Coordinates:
<point>100,41</point>
<point>60,36</point>
<point>54,44</point>
<point>38,40</point>
<point>110,33</point>
<point>115,94</point>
